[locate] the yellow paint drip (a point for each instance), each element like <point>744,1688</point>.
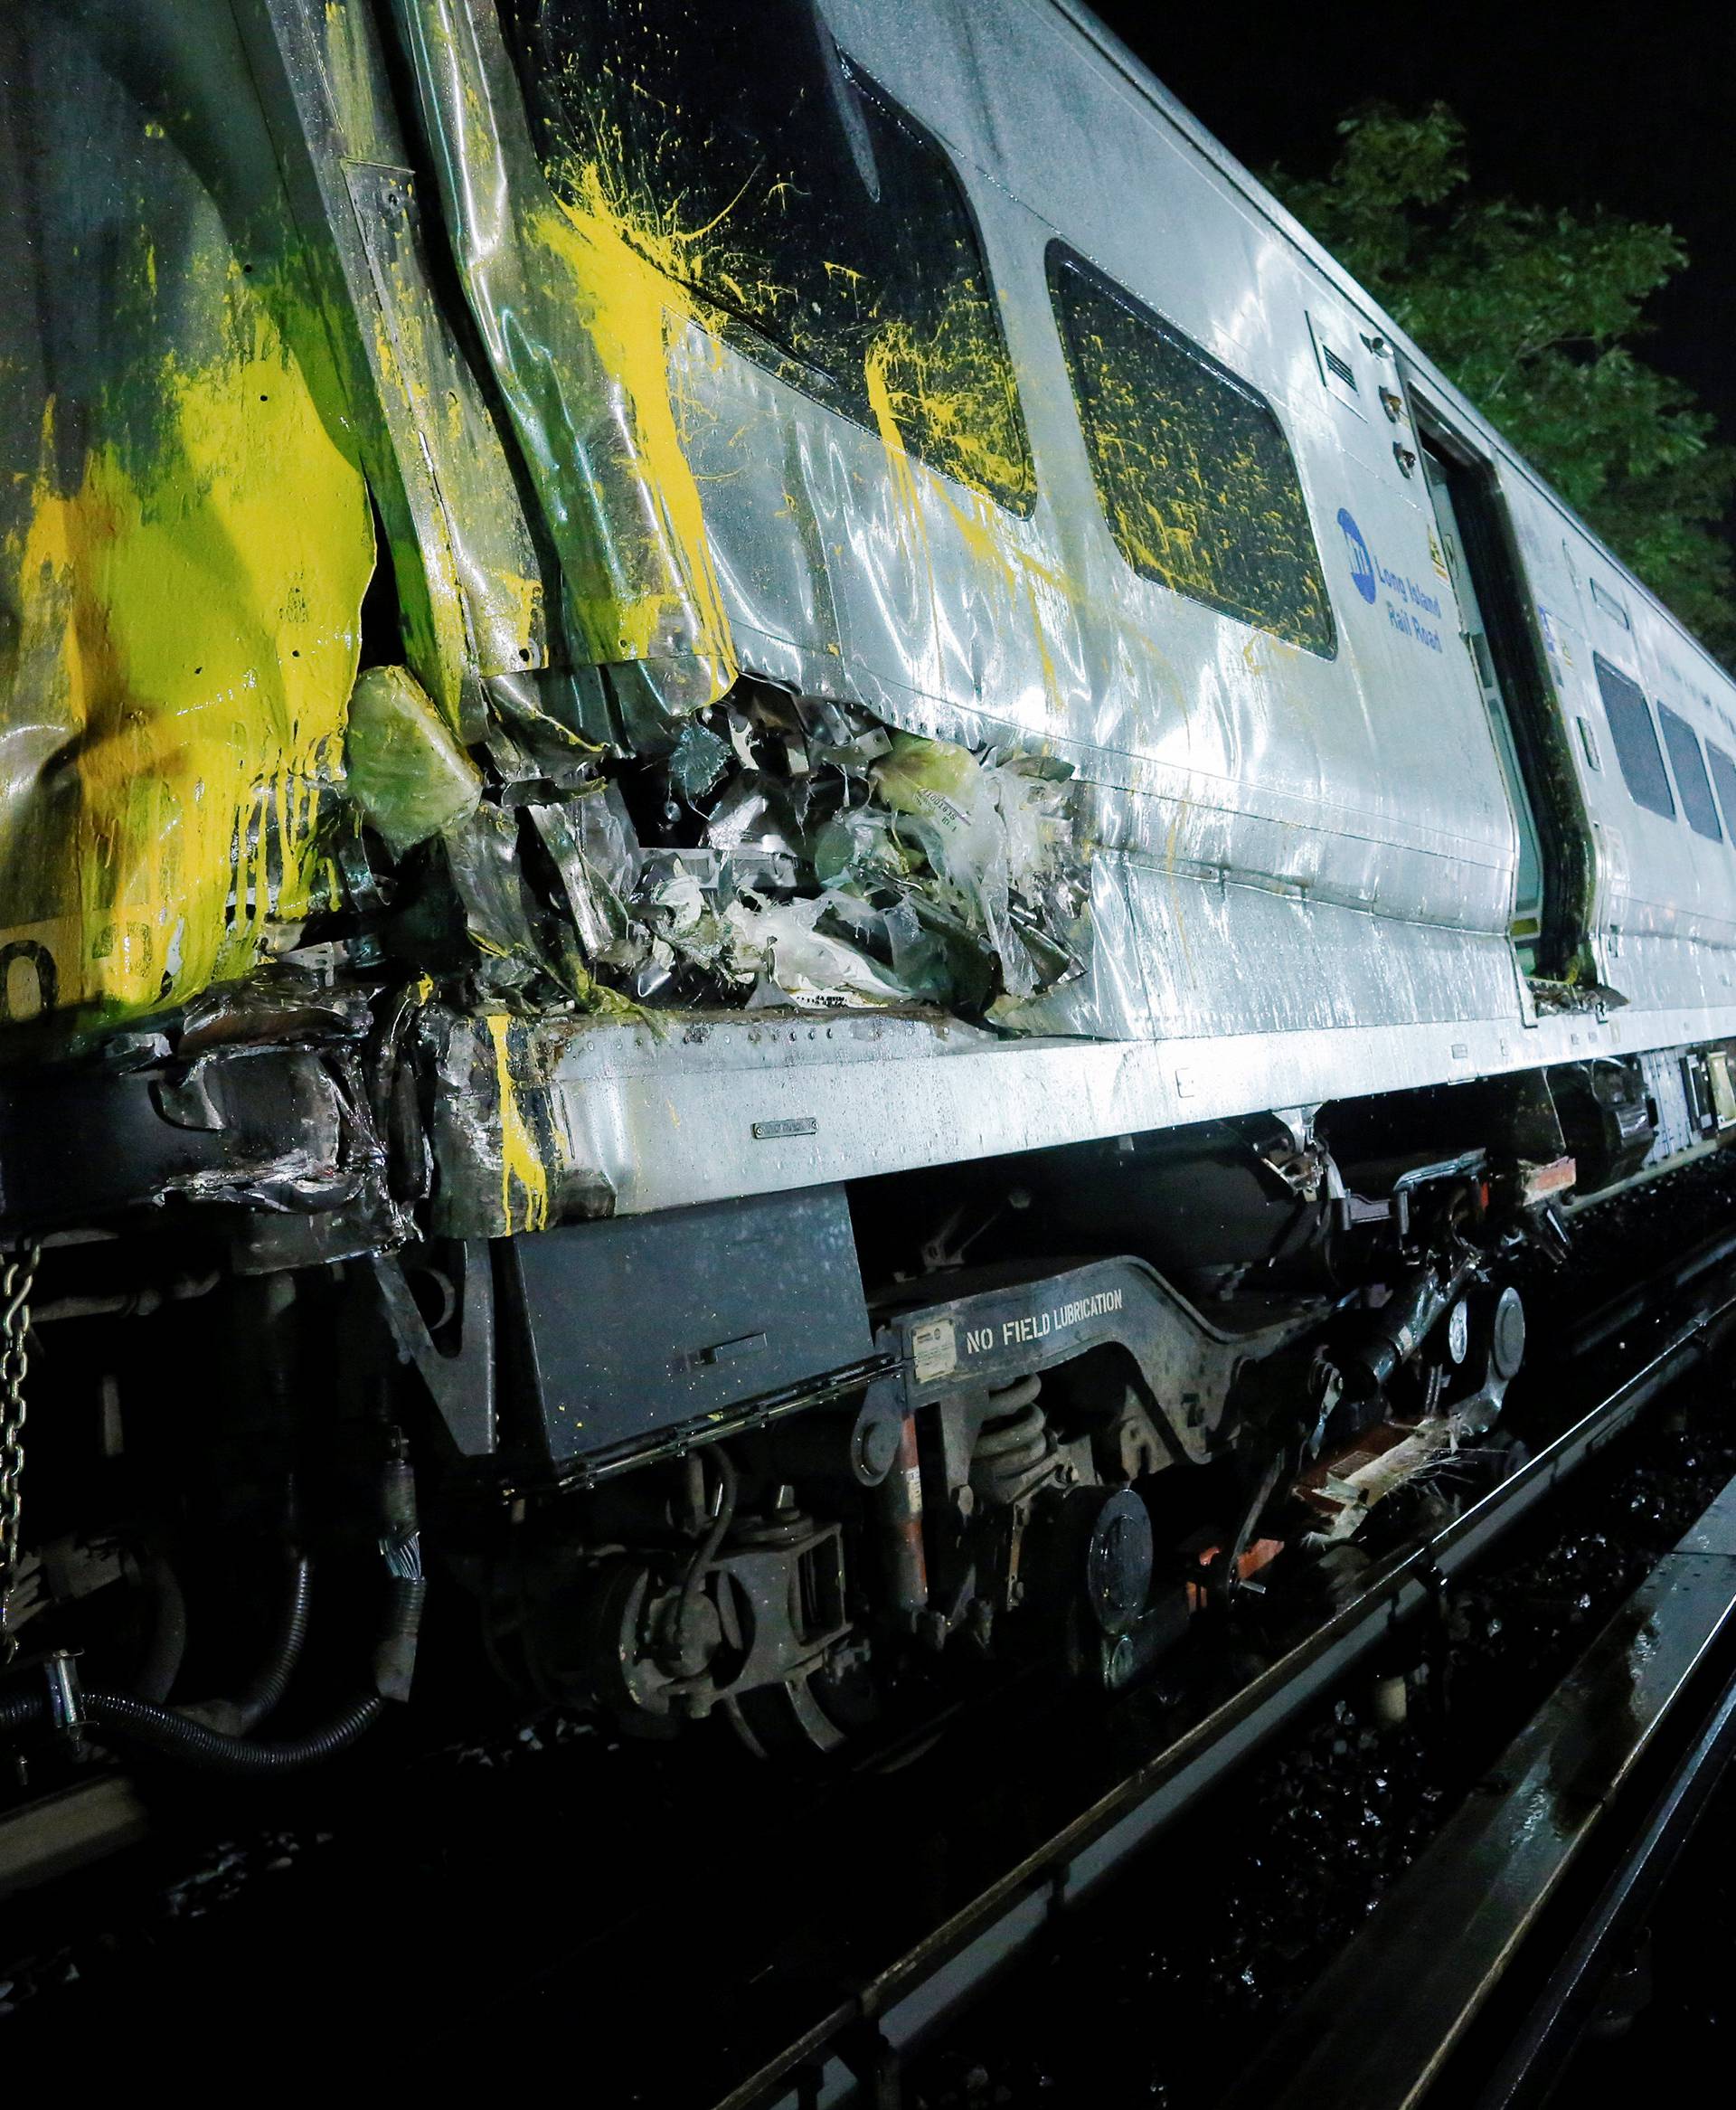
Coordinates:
<point>954,397</point>
<point>522,1173</point>
<point>625,299</point>
<point>899,463</point>
<point>188,631</point>
<point>1032,586</point>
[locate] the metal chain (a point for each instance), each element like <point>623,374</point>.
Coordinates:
<point>15,1279</point>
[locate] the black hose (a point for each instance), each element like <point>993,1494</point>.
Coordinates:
<point>265,1691</point>
<point>394,1653</point>
<point>133,1720</point>
<point>119,1717</point>
<point>211,1742</point>
<point>263,1694</point>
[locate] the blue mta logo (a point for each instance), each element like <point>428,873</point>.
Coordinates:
<point>1361,565</point>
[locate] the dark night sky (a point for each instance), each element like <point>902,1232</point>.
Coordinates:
<point>1633,108</point>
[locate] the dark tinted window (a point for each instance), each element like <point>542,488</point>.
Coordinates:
<point>1723,775</point>
<point>827,232</point>
<point>1195,477</point>
<point>1636,738</point>
<point>1683,746</point>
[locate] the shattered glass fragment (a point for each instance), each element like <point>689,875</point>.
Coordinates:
<point>698,764</point>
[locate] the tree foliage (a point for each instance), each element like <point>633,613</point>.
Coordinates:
<point>1533,313</point>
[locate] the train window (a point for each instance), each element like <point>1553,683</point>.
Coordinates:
<point>826,233</point>
<point>1723,775</point>
<point>1192,470</point>
<point>1636,739</point>
<point>1698,806</point>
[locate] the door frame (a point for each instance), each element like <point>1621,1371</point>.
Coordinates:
<point>1537,716</point>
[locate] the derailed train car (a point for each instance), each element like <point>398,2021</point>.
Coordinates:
<point>802,868</point>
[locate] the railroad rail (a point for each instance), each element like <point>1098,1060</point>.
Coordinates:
<point>1386,2022</point>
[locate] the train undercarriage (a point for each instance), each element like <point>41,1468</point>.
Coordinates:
<point>786,1464</point>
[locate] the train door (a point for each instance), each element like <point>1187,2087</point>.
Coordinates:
<point>1450,493</point>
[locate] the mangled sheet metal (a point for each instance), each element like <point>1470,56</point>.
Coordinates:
<point>203,419</point>
<point>720,648</point>
<point>751,329</point>
<point>184,544</point>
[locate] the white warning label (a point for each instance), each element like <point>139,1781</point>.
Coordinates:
<point>935,1348</point>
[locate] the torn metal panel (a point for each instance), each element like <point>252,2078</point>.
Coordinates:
<point>185,543</point>
<point>571,315</point>
<point>469,575</point>
<point>481,856</point>
<point>597,855</point>
<point>501,1145</point>
<point>282,1130</point>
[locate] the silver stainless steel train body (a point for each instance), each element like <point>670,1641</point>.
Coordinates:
<point>1307,871</point>
<point>744,1354</point>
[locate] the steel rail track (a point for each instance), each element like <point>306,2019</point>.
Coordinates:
<point>1551,2026</point>
<point>1380,2026</point>
<point>851,2053</point>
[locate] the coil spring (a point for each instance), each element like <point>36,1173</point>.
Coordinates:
<point>1011,1443</point>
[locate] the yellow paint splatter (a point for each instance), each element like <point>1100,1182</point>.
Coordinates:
<point>644,253</point>
<point>626,300</point>
<point>1195,477</point>
<point>521,1163</point>
<point>188,612</point>
<point>1032,588</point>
